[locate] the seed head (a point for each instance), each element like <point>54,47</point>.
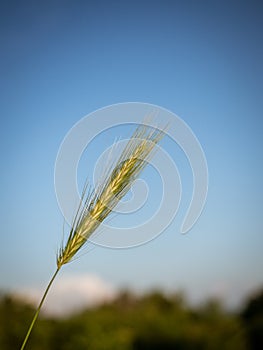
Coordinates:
<point>96,205</point>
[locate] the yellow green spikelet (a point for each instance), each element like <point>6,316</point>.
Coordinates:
<point>98,203</point>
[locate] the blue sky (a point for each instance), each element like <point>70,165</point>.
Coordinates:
<point>61,60</point>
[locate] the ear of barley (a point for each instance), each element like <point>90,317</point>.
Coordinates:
<point>97,204</point>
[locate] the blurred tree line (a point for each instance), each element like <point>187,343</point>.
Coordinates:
<point>153,321</point>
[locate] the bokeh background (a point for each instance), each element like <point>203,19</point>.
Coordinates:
<point>61,60</point>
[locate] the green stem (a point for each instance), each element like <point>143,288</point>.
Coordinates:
<point>38,309</point>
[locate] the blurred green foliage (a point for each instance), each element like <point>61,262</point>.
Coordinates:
<point>153,321</point>
<point>252,316</point>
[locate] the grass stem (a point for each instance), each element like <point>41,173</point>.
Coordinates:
<point>38,309</point>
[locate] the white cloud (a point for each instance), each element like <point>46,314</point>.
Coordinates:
<point>71,293</point>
